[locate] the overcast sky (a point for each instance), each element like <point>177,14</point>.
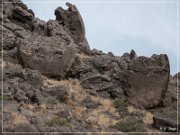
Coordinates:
<point>148,28</point>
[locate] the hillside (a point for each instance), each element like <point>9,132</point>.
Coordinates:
<point>53,81</point>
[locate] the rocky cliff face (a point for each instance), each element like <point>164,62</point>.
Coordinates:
<point>53,81</point>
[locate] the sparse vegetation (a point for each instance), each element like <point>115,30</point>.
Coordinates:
<point>18,119</point>
<point>4,97</point>
<point>131,124</point>
<point>59,121</point>
<point>119,102</point>
<point>148,118</point>
<point>52,100</point>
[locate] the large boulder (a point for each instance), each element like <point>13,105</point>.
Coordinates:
<point>148,80</point>
<point>50,58</point>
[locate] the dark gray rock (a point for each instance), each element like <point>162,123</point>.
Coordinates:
<point>117,93</point>
<point>148,80</point>
<point>22,15</point>
<point>35,98</point>
<point>9,39</point>
<point>54,28</point>
<point>96,52</point>
<point>19,95</point>
<point>39,26</point>
<point>97,82</point>
<point>59,92</point>
<point>22,84</point>
<point>65,113</point>
<point>133,54</point>
<point>122,110</point>
<point>165,123</point>
<point>111,54</point>
<point>101,63</point>
<point>89,103</point>
<point>27,113</point>
<point>18,13</point>
<point>36,121</point>
<point>72,20</point>
<point>104,94</point>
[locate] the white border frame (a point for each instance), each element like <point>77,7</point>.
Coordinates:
<point>2,93</point>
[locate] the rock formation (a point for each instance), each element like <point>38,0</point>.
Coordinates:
<point>50,63</point>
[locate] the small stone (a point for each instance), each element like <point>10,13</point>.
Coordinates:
<point>27,113</point>
<point>89,103</point>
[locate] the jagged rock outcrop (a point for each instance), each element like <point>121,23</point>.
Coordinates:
<point>54,49</point>
<point>18,13</point>
<point>50,58</point>
<point>72,20</point>
<point>55,81</point>
<point>143,80</point>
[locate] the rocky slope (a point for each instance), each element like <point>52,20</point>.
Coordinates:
<point>53,81</point>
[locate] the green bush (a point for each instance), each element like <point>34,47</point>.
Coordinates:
<point>131,124</point>
<point>52,100</point>
<point>119,103</point>
<point>59,121</point>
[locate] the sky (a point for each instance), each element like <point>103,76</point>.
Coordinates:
<point>147,26</point>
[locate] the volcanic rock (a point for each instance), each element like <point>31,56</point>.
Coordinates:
<point>165,123</point>
<point>148,80</point>
<point>59,92</point>
<point>41,60</point>
<point>72,20</point>
<point>50,58</point>
<point>144,81</point>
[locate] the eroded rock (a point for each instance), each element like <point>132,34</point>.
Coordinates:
<point>148,80</point>
<point>142,80</point>
<point>72,20</point>
<point>51,58</point>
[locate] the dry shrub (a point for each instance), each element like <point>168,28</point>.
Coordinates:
<point>52,100</point>
<point>18,119</point>
<point>131,124</point>
<point>118,102</point>
<point>148,118</point>
<point>57,121</point>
